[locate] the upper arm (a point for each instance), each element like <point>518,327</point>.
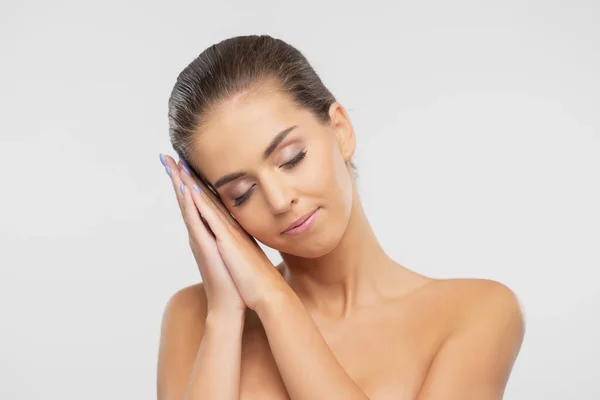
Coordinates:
<point>181,333</point>
<point>476,359</point>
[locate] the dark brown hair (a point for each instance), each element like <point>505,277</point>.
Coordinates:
<point>237,65</point>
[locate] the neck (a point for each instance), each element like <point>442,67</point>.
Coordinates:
<point>356,273</point>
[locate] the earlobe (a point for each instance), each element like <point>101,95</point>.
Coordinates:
<point>343,130</point>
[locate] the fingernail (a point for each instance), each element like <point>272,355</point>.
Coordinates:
<point>181,187</point>
<point>162,159</point>
<point>168,171</point>
<point>196,188</point>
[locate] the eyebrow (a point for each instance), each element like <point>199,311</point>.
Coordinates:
<point>268,151</point>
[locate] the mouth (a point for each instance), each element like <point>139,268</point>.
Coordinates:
<point>302,224</point>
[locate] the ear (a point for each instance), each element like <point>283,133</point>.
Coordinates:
<point>342,127</point>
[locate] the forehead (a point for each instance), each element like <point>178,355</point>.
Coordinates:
<point>247,117</point>
<point>236,132</point>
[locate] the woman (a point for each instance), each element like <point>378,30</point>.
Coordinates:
<point>268,151</point>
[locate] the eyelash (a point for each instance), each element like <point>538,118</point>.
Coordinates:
<point>294,161</point>
<point>288,165</point>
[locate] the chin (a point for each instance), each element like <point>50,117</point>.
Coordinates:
<point>313,244</point>
<point>309,251</point>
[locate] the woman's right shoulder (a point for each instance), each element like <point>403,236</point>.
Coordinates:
<point>183,322</point>
<point>187,306</point>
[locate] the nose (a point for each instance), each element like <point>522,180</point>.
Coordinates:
<point>278,194</point>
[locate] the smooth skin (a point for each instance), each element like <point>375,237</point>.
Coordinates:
<point>338,318</point>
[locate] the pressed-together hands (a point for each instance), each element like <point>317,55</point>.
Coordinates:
<point>235,271</point>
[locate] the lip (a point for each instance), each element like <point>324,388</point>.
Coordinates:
<point>302,224</point>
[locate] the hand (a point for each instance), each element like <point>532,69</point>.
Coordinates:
<point>255,277</point>
<point>222,295</point>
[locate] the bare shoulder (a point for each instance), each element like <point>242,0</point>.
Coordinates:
<point>185,312</point>
<point>189,302</point>
<point>481,346</point>
<point>464,287</point>
<point>181,333</point>
<point>184,316</point>
<point>479,300</point>
<point>475,296</point>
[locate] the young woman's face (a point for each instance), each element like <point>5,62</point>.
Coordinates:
<point>273,163</point>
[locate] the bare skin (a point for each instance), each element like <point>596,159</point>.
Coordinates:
<point>387,346</point>
<point>395,333</point>
<point>387,349</point>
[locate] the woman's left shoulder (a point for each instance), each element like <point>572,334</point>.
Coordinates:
<point>481,329</point>
<point>469,288</point>
<point>482,302</point>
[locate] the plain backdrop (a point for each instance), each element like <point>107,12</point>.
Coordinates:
<point>478,130</point>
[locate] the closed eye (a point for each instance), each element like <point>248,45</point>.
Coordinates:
<point>241,199</point>
<point>288,165</point>
<point>292,163</point>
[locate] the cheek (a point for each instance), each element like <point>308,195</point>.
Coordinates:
<point>335,176</point>
<point>255,224</point>
<point>323,170</point>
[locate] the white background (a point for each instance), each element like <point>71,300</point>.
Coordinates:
<point>478,153</point>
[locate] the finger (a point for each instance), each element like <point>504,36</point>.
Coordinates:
<point>202,242</point>
<point>217,223</point>
<point>189,180</point>
<point>184,166</point>
<point>175,175</point>
<point>197,230</point>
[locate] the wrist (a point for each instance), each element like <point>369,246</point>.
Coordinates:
<point>275,301</point>
<point>225,317</point>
